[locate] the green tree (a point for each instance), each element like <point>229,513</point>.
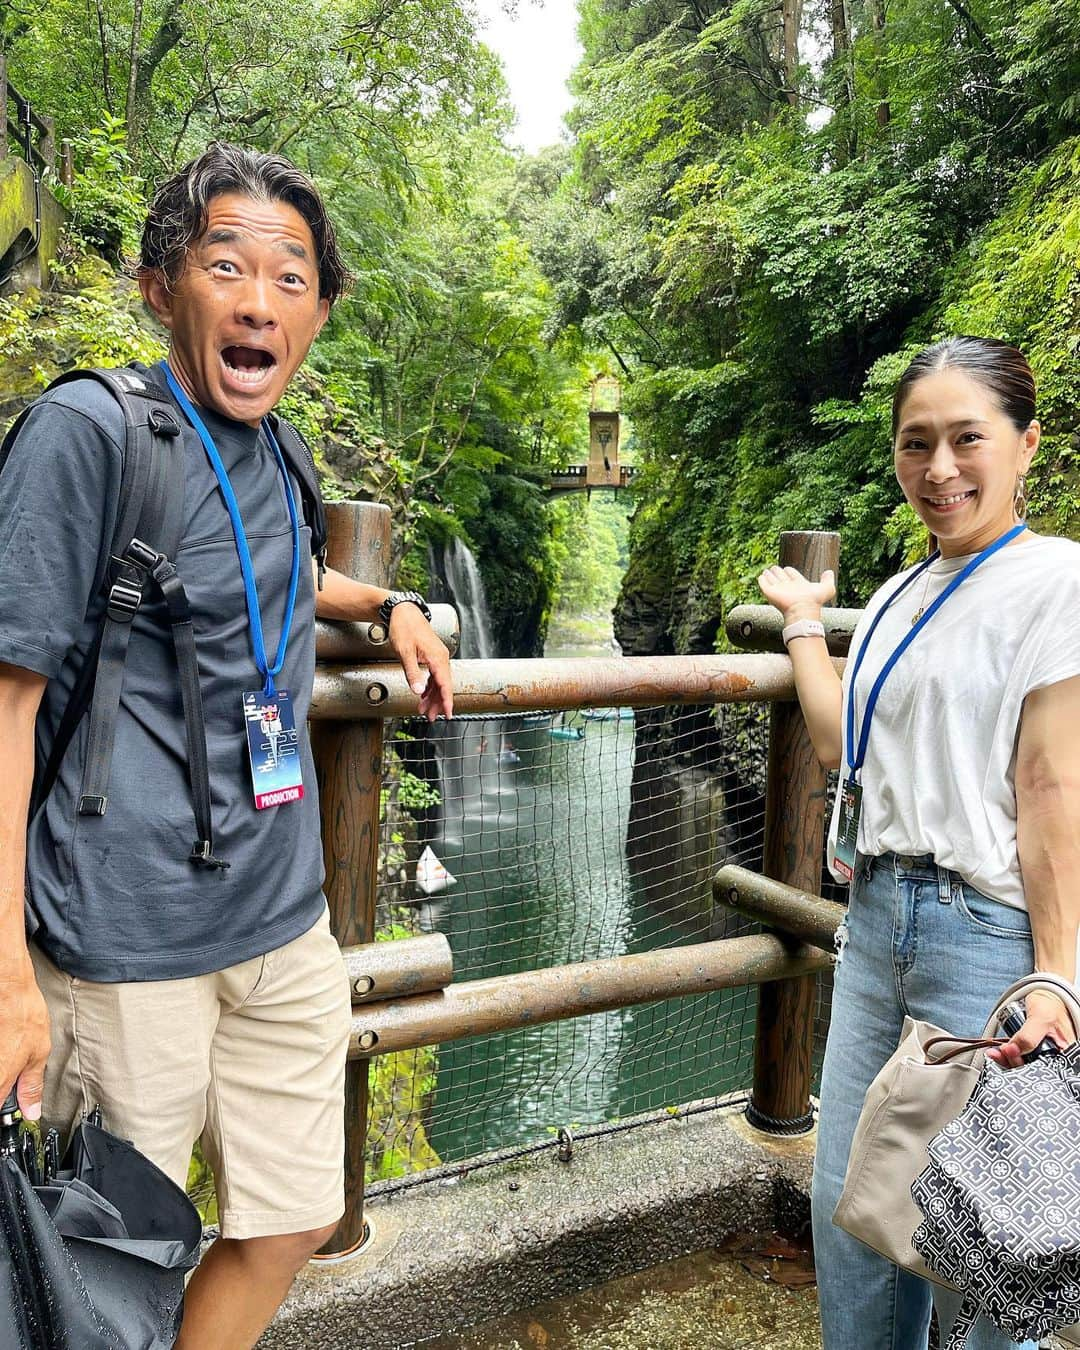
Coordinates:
<point>761,244</point>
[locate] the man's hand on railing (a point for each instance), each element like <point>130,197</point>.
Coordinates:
<point>418,646</point>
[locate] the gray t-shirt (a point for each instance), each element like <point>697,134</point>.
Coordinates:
<point>115,896</point>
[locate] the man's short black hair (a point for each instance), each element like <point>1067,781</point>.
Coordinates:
<point>179,210</point>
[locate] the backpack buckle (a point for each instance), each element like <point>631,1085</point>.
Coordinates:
<point>142,555</point>
<point>124,601</point>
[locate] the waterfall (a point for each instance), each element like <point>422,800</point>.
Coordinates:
<point>466,752</point>
<point>461,578</point>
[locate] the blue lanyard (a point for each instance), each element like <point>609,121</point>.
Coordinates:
<point>856,763</point>
<point>247,568</point>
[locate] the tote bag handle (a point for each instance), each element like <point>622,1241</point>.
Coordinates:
<point>1030,984</point>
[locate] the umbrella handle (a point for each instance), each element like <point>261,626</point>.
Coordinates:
<point>11,1103</point>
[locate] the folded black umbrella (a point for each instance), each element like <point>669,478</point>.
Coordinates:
<point>94,1257</point>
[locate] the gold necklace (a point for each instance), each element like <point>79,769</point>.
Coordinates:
<point>922,603</point>
<point>939,571</point>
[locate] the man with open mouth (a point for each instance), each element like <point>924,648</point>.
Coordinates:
<point>192,993</point>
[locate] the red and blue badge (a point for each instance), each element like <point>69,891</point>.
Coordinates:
<point>273,748</point>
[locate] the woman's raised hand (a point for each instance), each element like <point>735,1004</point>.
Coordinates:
<point>793,595</point>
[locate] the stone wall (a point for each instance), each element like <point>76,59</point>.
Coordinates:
<point>18,210</point>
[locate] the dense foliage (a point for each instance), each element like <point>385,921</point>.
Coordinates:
<point>759,243</point>
<point>434,386</point>
<point>765,208</point>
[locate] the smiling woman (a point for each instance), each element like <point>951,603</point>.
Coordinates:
<point>957,731</point>
<point>964,434</point>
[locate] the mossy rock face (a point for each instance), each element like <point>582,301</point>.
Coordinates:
<point>643,611</point>
<point>400,1089</point>
<point>18,221</point>
<point>16,202</point>
<point>89,316</point>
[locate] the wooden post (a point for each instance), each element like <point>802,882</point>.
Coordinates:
<point>47,143</point>
<point>348,759</point>
<point>794,836</point>
<point>3,106</point>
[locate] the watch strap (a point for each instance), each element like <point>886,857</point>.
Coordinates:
<point>803,628</point>
<point>396,598</point>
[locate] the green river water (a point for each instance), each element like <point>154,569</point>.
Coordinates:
<point>538,848</point>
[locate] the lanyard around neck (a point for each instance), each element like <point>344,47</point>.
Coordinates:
<point>247,568</point>
<point>857,758</point>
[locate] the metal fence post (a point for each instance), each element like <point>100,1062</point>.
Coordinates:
<point>794,837</point>
<point>348,759</point>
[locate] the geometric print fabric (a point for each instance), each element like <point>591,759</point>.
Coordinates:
<point>1001,1199</point>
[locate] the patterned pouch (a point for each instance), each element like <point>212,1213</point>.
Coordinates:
<point>1000,1199</point>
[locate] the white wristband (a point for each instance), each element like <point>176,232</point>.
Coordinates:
<point>803,628</point>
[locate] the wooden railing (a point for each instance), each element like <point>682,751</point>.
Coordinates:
<point>30,133</point>
<point>403,992</point>
<point>575,478</point>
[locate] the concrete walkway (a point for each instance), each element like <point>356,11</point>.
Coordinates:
<point>708,1300</point>
<point>455,1252</point>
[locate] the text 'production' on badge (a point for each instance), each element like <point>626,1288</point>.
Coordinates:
<point>273,748</point>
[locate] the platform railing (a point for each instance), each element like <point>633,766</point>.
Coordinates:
<point>403,992</point>
<point>31,133</point>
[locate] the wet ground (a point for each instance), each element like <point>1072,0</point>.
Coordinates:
<point>754,1293</point>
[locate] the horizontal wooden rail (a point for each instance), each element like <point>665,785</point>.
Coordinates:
<point>578,682</point>
<point>508,1002</point>
<point>399,969</point>
<point>810,918</point>
<point>348,642</point>
<point>758,628</point>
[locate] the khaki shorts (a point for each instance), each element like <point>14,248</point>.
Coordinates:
<point>250,1060</point>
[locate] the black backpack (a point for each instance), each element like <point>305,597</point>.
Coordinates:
<point>146,539</point>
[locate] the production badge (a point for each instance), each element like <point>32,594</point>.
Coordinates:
<point>847,828</point>
<point>273,748</point>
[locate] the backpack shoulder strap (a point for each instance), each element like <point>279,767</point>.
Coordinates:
<point>148,415</point>
<point>150,521</point>
<point>147,507</point>
<point>301,461</point>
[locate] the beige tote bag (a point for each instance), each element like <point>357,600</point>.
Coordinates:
<point>913,1097</point>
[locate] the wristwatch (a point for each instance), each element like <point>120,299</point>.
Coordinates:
<point>403,598</point>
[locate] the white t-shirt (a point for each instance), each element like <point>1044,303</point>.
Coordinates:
<point>941,754</point>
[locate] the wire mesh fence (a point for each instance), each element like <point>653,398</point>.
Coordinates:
<point>565,838</point>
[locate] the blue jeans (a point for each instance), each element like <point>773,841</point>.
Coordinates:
<point>920,941</point>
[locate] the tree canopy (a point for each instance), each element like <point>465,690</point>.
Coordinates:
<point>438,384</point>
<point>763,208</point>
<point>761,231</point>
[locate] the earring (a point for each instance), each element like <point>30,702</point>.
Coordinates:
<point>1020,502</point>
